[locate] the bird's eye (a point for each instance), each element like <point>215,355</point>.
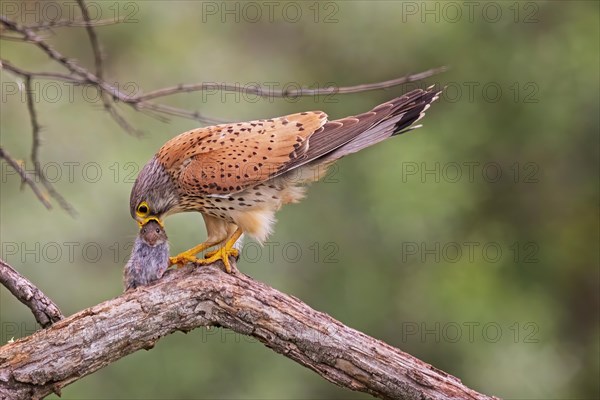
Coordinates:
<point>142,209</point>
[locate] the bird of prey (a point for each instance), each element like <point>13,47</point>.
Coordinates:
<point>238,175</point>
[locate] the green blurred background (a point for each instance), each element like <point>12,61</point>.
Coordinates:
<point>471,243</point>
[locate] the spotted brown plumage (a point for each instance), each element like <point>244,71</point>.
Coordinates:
<point>238,175</point>
<point>228,158</point>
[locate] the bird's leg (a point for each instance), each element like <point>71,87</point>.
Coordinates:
<point>224,252</point>
<point>237,245</point>
<point>190,255</point>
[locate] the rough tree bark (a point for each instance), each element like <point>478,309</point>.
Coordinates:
<point>43,309</point>
<point>184,299</point>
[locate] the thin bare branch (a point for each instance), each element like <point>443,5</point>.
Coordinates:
<point>93,39</point>
<point>35,145</point>
<point>5,64</point>
<point>106,100</point>
<point>73,24</point>
<point>178,112</point>
<point>35,126</point>
<point>302,92</point>
<point>44,310</point>
<point>102,85</point>
<point>12,38</point>
<point>387,84</point>
<point>25,178</point>
<point>71,65</point>
<point>32,37</point>
<point>119,119</point>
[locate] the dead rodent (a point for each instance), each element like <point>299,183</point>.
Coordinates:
<point>149,257</point>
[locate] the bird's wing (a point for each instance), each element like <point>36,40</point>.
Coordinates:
<point>348,135</point>
<point>225,159</point>
<point>228,158</point>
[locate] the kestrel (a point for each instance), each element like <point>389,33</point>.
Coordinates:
<point>238,175</point>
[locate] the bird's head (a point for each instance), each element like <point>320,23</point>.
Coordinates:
<point>153,195</point>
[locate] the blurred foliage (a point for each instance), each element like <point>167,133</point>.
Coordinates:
<point>407,238</point>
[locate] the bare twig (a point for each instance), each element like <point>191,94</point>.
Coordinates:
<point>35,126</point>
<point>108,106</point>
<point>178,112</point>
<point>35,145</point>
<point>12,38</point>
<point>302,92</point>
<point>93,39</point>
<point>5,64</point>
<point>48,360</point>
<point>44,310</point>
<point>91,78</point>
<point>25,178</point>
<point>73,23</point>
<point>32,37</point>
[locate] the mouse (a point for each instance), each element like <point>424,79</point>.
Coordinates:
<point>149,257</point>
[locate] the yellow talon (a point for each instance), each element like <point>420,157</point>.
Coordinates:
<point>210,257</point>
<point>189,256</point>
<point>222,254</point>
<point>181,259</point>
<point>209,254</point>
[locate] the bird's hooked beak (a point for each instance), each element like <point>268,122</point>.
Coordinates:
<point>143,221</point>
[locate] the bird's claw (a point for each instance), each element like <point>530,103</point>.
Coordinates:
<point>222,254</point>
<point>232,252</point>
<point>210,257</point>
<point>181,259</point>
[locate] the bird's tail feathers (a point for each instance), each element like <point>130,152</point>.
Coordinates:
<point>402,113</point>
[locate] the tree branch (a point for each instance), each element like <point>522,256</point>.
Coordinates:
<point>93,39</point>
<point>25,178</point>
<point>45,25</point>
<point>44,310</point>
<point>106,101</point>
<point>302,92</point>
<point>35,143</point>
<point>5,64</point>
<point>35,147</point>
<point>105,88</point>
<point>188,298</point>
